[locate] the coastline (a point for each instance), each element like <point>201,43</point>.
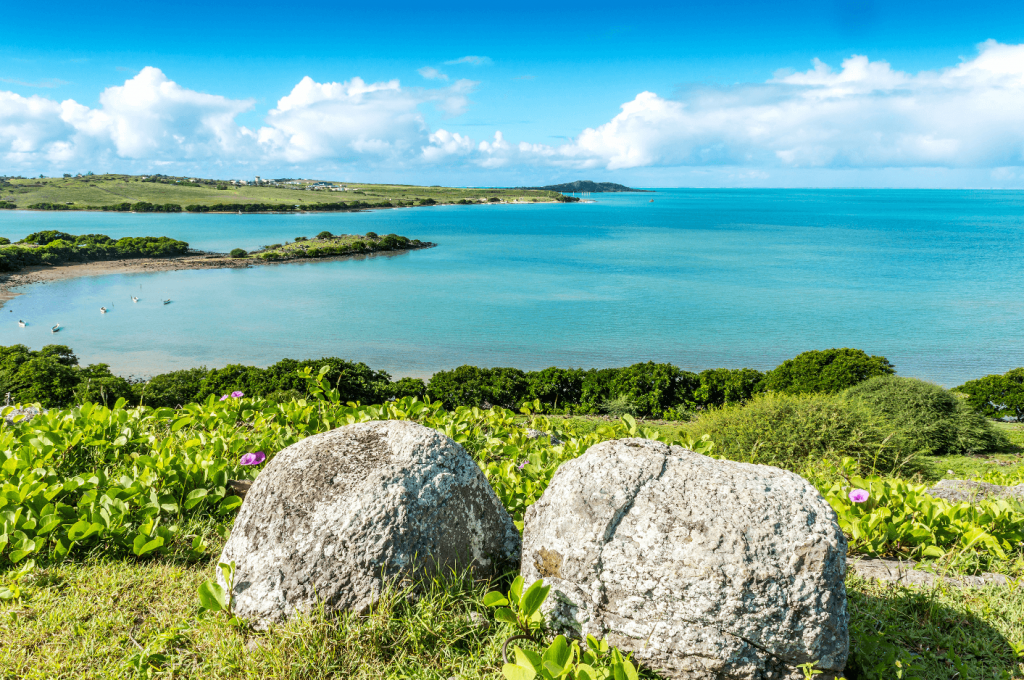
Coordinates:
<point>9,281</point>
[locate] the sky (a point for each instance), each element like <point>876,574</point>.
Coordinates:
<point>834,93</point>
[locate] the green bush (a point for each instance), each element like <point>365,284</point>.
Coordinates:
<point>473,386</point>
<point>173,389</point>
<point>720,386</point>
<point>924,418</point>
<point>325,235</point>
<point>238,253</point>
<point>802,433</point>
<point>997,396</point>
<point>829,371</point>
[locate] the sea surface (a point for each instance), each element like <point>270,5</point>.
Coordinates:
<point>933,280</point>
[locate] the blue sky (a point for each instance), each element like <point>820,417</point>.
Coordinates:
<point>709,94</point>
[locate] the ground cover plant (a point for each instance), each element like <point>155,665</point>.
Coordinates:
<point>113,516</point>
<point>56,247</point>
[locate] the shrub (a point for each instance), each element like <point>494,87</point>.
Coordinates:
<point>801,433</point>
<point>619,406</point>
<point>654,388</point>
<point>406,387</point>
<point>325,235</point>
<point>371,234</point>
<point>924,418</point>
<point>997,396</point>
<point>171,389</point>
<point>829,371</point>
<point>558,389</point>
<point>4,241</point>
<point>472,386</point>
<point>720,386</point>
<point>238,253</point>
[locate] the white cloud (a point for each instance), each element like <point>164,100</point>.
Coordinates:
<point>444,144</point>
<point>472,60</point>
<point>431,73</point>
<point>861,117</point>
<point>866,115</point>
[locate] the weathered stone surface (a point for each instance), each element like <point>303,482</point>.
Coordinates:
<point>965,490</point>
<point>23,414</point>
<point>333,517</point>
<point>904,573</point>
<point>534,434</point>
<point>705,569</point>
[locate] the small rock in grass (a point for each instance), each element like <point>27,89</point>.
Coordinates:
<point>337,516</point>
<point>703,569</point>
<point>534,434</point>
<point>903,573</point>
<point>478,620</point>
<point>970,491</point>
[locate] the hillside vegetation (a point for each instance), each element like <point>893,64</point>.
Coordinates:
<point>124,192</point>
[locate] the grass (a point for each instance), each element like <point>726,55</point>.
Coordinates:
<point>122,618</point>
<point>98,190</point>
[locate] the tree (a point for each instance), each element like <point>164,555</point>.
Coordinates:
<point>997,396</point>
<point>238,253</point>
<point>720,386</point>
<point>827,371</point>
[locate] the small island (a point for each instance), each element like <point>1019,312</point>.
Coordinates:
<point>586,186</point>
<point>55,255</point>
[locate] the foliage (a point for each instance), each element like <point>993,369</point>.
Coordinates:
<point>518,608</point>
<point>900,519</point>
<point>55,247</point>
<point>720,386</point>
<point>802,432</point>
<point>829,371</point>
<point>925,418</point>
<point>474,386</point>
<point>238,253</point>
<point>997,396</point>
<point>561,659</point>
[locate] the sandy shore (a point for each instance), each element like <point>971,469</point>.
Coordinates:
<point>47,274</point>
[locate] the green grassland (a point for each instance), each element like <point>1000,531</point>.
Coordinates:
<point>102,190</point>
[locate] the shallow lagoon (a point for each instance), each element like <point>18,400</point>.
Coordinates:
<point>699,278</point>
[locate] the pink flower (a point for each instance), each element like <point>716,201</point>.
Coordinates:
<point>523,464</point>
<point>858,495</point>
<point>253,458</point>
<point>225,397</point>
<point>237,395</point>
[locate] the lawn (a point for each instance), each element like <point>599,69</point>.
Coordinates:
<point>100,190</point>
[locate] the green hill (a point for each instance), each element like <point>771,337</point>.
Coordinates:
<point>123,192</point>
<point>585,185</point>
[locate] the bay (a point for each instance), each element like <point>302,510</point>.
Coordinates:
<point>698,278</point>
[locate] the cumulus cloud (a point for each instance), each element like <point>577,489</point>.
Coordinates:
<point>863,115</point>
<point>860,116</point>
<point>431,73</point>
<point>472,60</point>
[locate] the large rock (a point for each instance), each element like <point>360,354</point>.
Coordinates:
<point>970,491</point>
<point>335,516</point>
<point>704,569</point>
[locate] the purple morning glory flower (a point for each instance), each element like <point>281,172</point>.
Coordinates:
<point>253,458</point>
<point>523,464</point>
<point>225,397</point>
<point>858,495</point>
<point>237,395</point>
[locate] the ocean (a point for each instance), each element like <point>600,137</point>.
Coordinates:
<point>698,278</point>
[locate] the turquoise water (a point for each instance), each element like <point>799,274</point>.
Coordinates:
<point>700,278</point>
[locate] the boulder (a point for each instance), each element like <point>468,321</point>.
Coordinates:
<point>969,491</point>
<point>335,517</point>
<point>704,569</point>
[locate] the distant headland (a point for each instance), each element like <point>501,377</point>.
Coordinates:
<point>171,194</point>
<point>584,185</point>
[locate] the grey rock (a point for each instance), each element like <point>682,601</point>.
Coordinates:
<point>239,487</point>
<point>478,620</point>
<point>26,413</point>
<point>534,434</point>
<point>704,569</point>
<point>335,517</point>
<point>904,574</point>
<point>969,491</point>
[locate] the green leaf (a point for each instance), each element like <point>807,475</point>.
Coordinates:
<point>514,672</point>
<point>515,593</point>
<point>506,615</point>
<point>212,596</point>
<point>495,599</point>
<point>526,658</point>
<point>180,423</point>
<point>78,530</point>
<point>195,497</point>
<point>141,546</point>
<point>558,652</point>
<point>534,597</point>
<point>230,502</point>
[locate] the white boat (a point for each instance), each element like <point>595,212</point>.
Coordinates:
<point>22,323</point>
<point>135,299</point>
<point>167,301</point>
<point>55,328</point>
<point>103,310</point>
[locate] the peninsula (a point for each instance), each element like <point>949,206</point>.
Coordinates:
<point>53,255</point>
<point>163,193</point>
<point>587,186</point>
